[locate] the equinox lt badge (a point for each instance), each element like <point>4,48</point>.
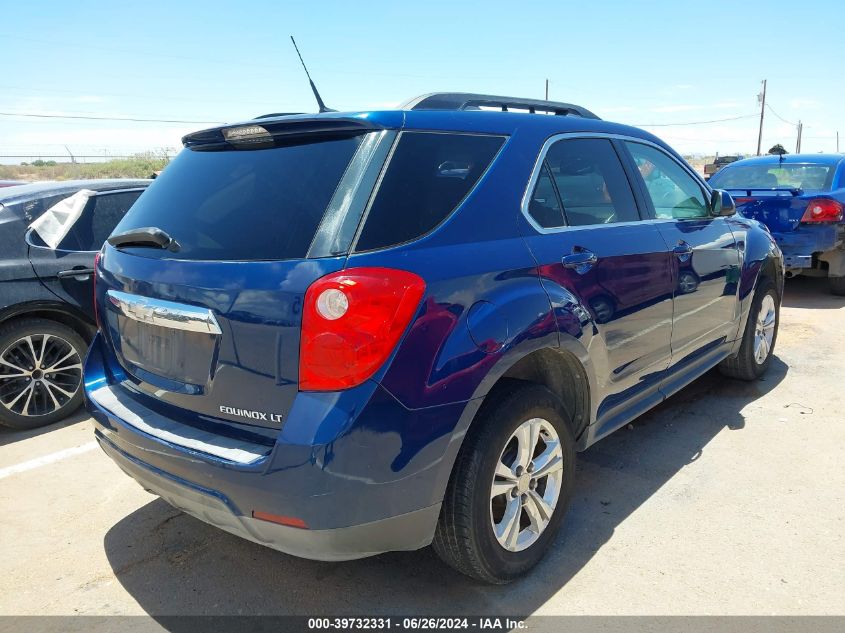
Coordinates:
<point>253,415</point>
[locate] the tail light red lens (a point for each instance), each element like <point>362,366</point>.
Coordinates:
<point>94,278</point>
<point>351,322</point>
<point>823,210</point>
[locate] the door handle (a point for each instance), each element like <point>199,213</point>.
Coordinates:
<point>683,250</point>
<point>75,272</point>
<point>581,260</point>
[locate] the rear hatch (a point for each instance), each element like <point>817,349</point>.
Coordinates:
<point>210,325</point>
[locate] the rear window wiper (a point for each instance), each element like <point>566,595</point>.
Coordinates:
<point>144,236</point>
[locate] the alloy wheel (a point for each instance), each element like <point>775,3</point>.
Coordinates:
<point>39,374</point>
<point>764,330</point>
<point>526,485</point>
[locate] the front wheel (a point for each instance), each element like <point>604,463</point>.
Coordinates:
<point>758,340</point>
<point>510,487</point>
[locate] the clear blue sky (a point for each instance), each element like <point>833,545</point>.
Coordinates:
<point>634,62</point>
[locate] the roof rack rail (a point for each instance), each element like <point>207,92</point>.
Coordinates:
<point>470,101</point>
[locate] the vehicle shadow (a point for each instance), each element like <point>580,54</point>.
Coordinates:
<point>10,436</point>
<point>173,564</point>
<point>810,293</point>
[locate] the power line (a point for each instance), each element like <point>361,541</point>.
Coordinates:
<point>772,110</point>
<point>733,118</point>
<point>107,118</point>
<point>75,94</point>
<point>76,155</point>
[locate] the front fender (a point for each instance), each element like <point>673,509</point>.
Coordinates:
<point>761,254</point>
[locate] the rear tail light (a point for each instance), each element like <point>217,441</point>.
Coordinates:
<point>94,278</point>
<point>823,210</point>
<point>351,322</point>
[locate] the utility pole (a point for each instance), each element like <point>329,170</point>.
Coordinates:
<point>798,143</point>
<point>547,89</point>
<point>762,98</point>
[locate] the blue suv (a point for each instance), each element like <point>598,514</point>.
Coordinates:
<point>349,333</point>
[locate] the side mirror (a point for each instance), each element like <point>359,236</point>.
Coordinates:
<point>722,203</point>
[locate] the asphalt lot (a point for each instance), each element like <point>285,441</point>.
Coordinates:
<point>727,499</point>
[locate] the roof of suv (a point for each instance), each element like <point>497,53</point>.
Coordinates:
<point>556,118</point>
<point>22,193</point>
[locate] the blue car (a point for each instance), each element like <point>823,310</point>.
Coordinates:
<point>800,198</point>
<point>349,333</point>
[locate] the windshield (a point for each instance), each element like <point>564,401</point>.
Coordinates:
<point>806,176</point>
<point>243,204</point>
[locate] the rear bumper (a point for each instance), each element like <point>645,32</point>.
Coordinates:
<point>364,474</point>
<point>800,245</point>
<point>405,532</point>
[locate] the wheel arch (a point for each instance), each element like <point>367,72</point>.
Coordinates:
<point>567,372</point>
<point>51,311</point>
<point>561,372</point>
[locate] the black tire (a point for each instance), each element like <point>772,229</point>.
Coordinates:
<point>59,335</point>
<point>744,365</point>
<point>836,285</point>
<point>464,538</point>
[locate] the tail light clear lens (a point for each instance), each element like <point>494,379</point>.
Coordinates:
<point>94,278</point>
<point>351,322</point>
<point>823,210</point>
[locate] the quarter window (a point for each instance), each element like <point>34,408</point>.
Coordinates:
<point>544,205</point>
<point>592,185</point>
<point>428,176</point>
<point>674,193</point>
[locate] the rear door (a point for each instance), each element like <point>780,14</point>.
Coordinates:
<point>590,240</point>
<point>706,257</point>
<point>67,270</point>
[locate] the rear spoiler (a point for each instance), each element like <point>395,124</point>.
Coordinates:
<point>284,127</point>
<point>794,191</point>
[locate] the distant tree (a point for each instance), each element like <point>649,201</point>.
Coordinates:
<point>778,150</point>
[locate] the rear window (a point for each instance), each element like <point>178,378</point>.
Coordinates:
<point>255,204</point>
<point>592,184</point>
<point>428,176</point>
<point>808,176</point>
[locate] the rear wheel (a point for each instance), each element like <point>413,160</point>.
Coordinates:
<point>758,341</point>
<point>40,372</point>
<point>510,487</point>
<point>836,285</point>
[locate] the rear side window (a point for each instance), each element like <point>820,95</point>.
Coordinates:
<point>243,204</point>
<point>98,219</point>
<point>428,176</point>
<point>544,206</point>
<point>592,184</point>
